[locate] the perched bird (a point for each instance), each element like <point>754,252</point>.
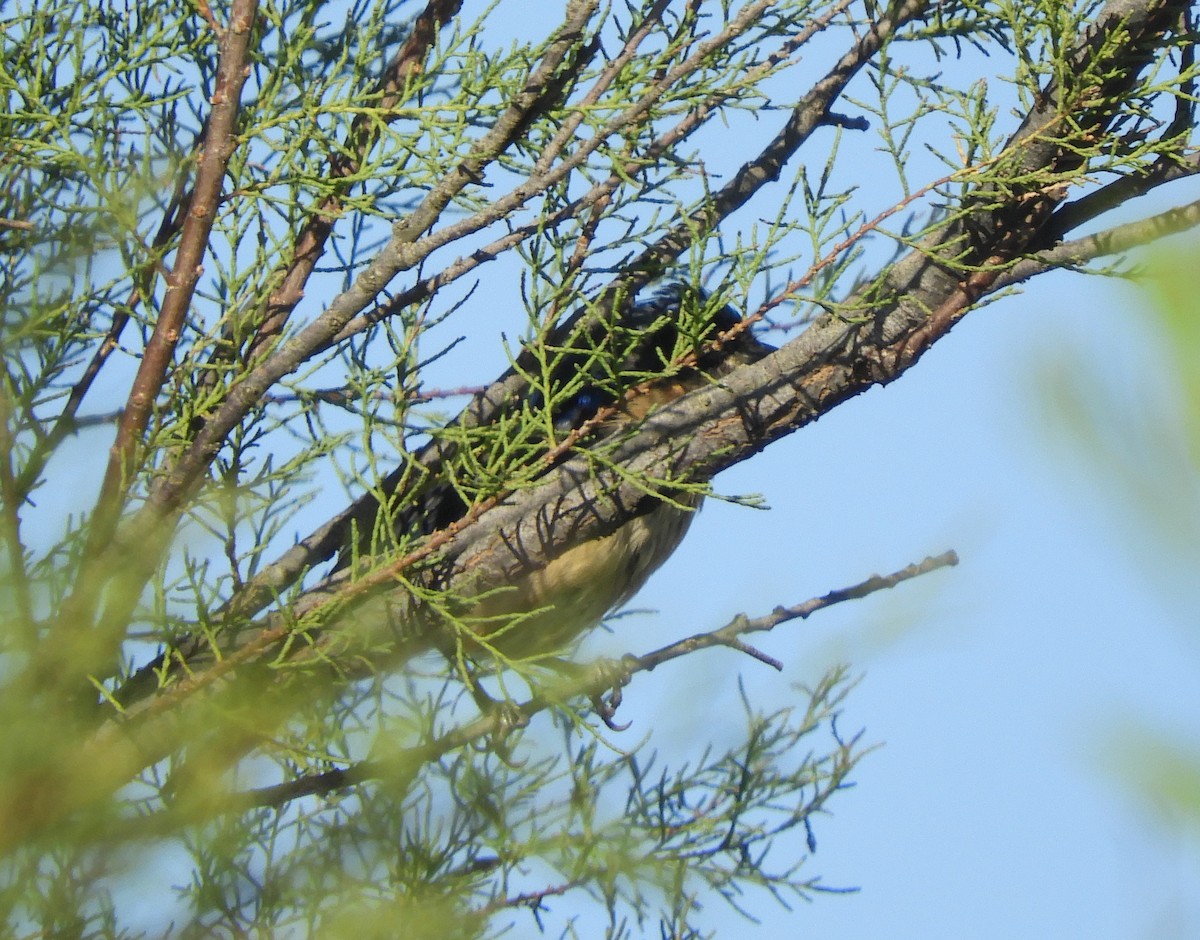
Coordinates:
<point>650,357</point>
<point>604,381</point>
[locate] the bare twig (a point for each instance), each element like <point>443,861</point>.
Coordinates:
<point>588,681</point>
<point>740,626</point>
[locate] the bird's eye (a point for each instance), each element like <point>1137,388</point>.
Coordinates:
<point>578,408</point>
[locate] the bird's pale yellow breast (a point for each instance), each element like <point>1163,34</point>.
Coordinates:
<point>545,610</point>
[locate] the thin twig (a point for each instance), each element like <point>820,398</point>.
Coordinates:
<point>740,626</point>
<point>598,678</point>
<point>1112,241</point>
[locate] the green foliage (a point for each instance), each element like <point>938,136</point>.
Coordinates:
<point>296,759</point>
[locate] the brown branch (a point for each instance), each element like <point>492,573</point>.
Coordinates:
<point>344,165</point>
<point>1117,193</point>
<point>75,616</point>
<point>183,278</point>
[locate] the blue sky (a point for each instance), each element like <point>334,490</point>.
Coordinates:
<point>1004,691</point>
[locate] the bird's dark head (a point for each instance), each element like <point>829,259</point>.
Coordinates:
<point>656,351</point>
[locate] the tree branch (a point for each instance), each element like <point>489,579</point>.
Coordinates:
<point>1113,241</point>
<point>183,278</point>
<point>916,303</point>
<point>77,612</point>
<point>921,298</point>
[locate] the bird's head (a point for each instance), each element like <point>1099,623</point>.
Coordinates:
<point>655,352</point>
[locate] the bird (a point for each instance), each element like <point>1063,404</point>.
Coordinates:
<point>603,383</point>
<point>653,353</point>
